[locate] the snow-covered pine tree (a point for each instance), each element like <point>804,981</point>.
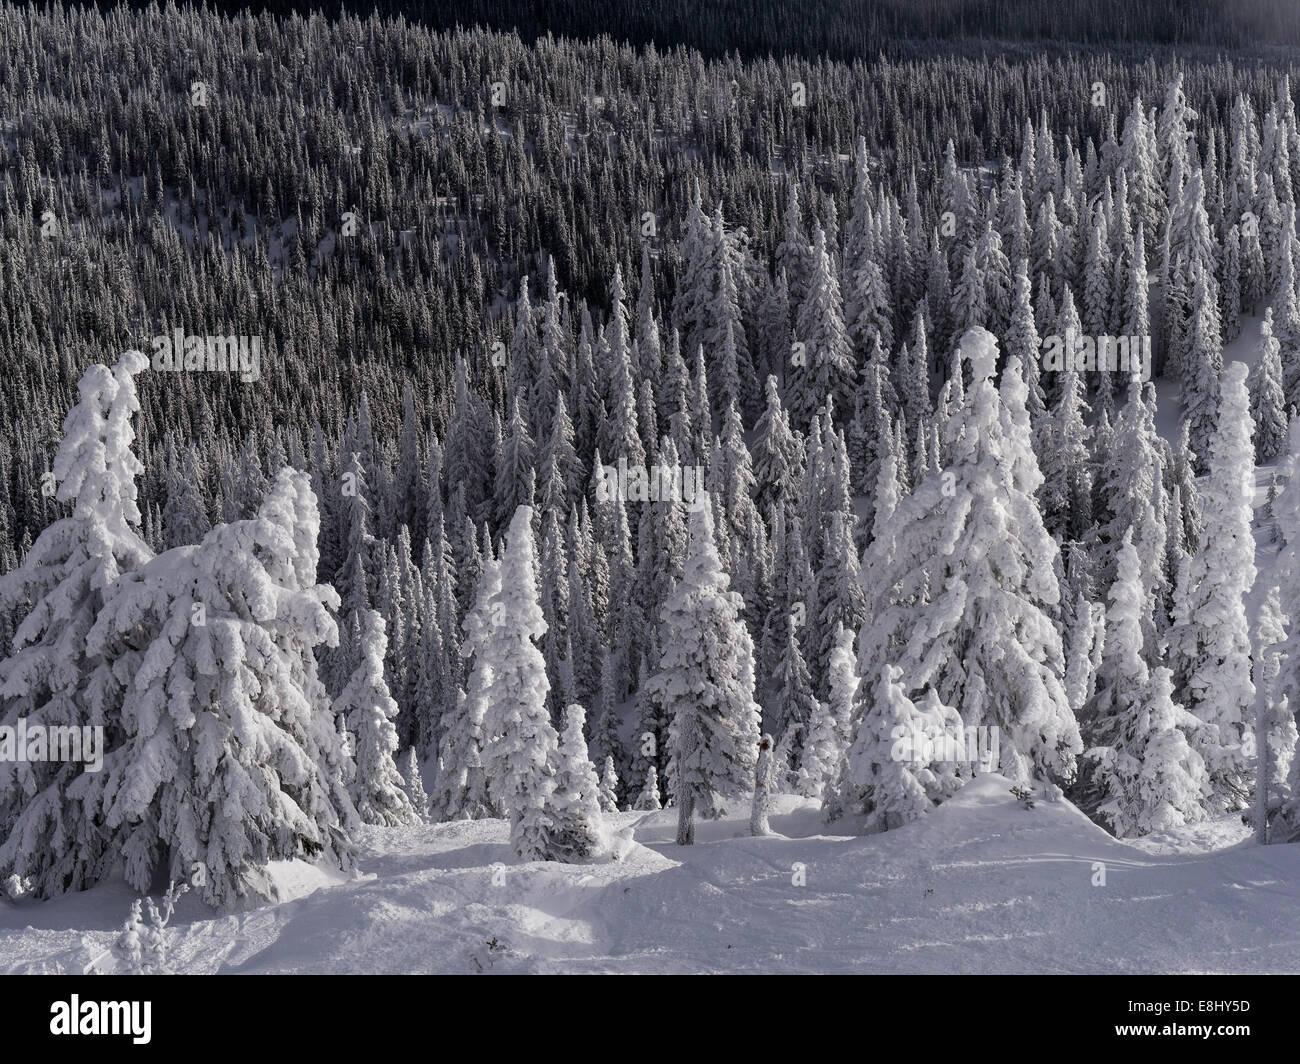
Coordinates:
<point>1120,719</point>
<point>230,757</point>
<point>871,431</point>
<point>1202,368</point>
<point>1084,642</point>
<point>1267,403</point>
<point>1132,487</point>
<point>362,555</point>
<point>516,470</point>
<point>733,476</point>
<point>867,311</point>
<point>414,783</point>
<point>963,590</point>
<point>559,465</point>
<point>888,493</point>
<point>460,788</point>
<point>1097,270</point>
<point>731,372</point>
<point>795,705</point>
<point>368,710</point>
<point>1045,248</point>
<point>578,832</point>
<point>705,683</point>
<point>691,301</point>
<point>1136,301</point>
<point>609,786</point>
<point>1275,726</point>
<point>604,735</point>
<point>823,750</point>
<point>1155,780</point>
<point>141,946</point>
<point>185,516</point>
<point>1286,304</point>
<point>893,774</point>
<point>1139,161</point>
<point>408,506</point>
<point>1215,637</point>
<point>619,438</point>
<point>794,254</point>
<point>828,365</point>
<point>649,348</point>
<point>557,643</point>
<point>776,455</point>
<point>1022,342</point>
<point>843,684</point>
<point>520,745</point>
<point>955,197</point>
<point>1288,576</point>
<point>649,739</point>
<point>648,799</point>
<point>51,840</point>
<point>1181,462</point>
<point>839,596</point>
<point>1066,492</point>
<point>521,366</point>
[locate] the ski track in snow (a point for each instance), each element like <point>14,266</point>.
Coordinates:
<point>981,885</point>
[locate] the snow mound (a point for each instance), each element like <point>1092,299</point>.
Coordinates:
<point>982,884</point>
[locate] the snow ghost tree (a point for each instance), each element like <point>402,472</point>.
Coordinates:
<point>764,783</point>
<point>520,747</point>
<point>230,758</point>
<point>544,790</point>
<point>705,683</point>
<point>903,758</point>
<point>962,589</point>
<point>50,837</point>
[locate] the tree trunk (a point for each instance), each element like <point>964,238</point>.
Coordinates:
<point>686,820</point>
<point>758,813</point>
<point>1263,758</point>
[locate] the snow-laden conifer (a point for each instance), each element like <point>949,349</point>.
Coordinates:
<point>705,683</point>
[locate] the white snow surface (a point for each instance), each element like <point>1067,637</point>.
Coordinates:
<point>980,885</point>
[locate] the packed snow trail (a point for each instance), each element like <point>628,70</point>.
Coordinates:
<point>981,885</point>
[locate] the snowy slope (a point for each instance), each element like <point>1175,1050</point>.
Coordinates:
<point>980,885</point>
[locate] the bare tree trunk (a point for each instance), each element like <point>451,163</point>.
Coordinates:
<point>686,819</point>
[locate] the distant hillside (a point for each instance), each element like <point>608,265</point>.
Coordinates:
<point>846,29</point>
